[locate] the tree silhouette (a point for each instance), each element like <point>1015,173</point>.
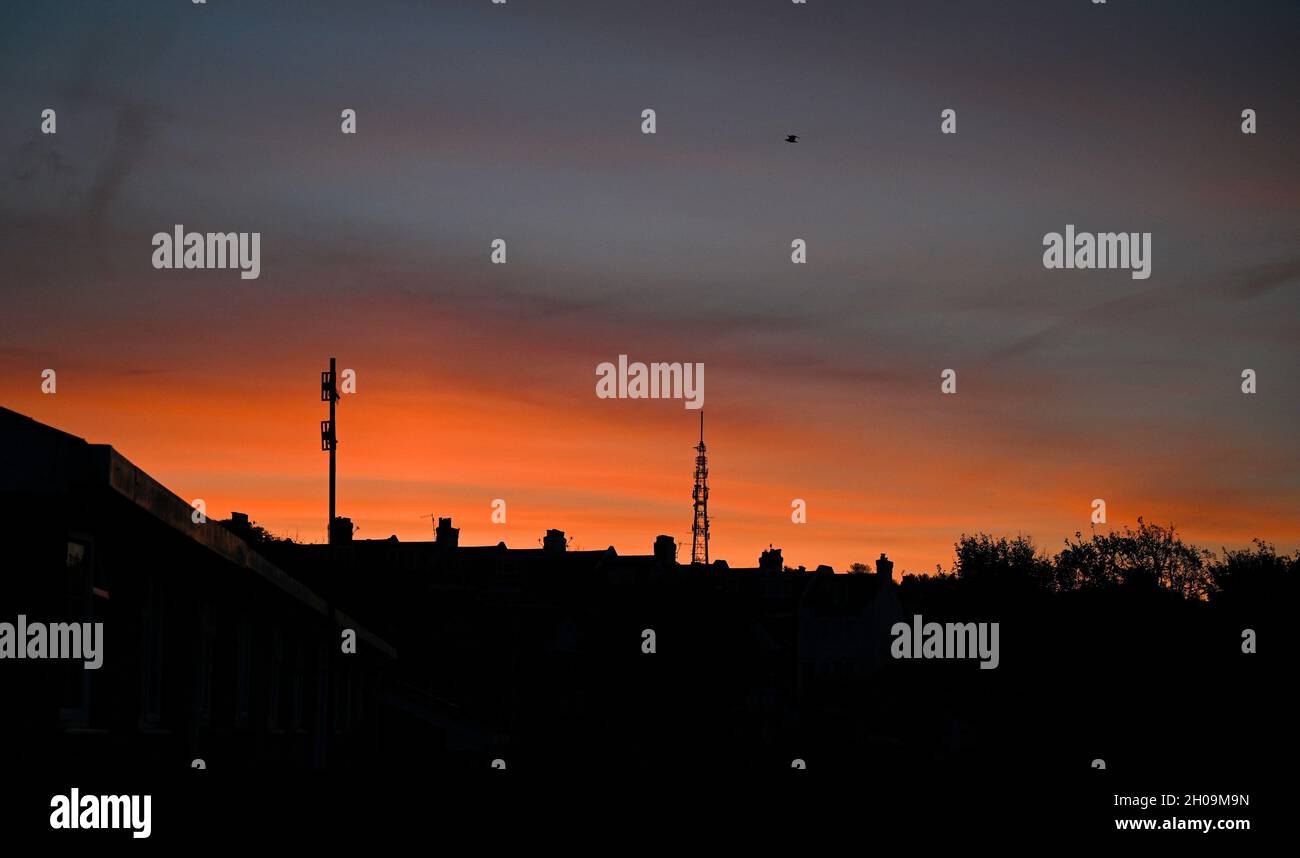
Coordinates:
<point>1150,556</point>
<point>1255,576</point>
<point>1001,562</point>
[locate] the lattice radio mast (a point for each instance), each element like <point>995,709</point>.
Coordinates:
<point>700,530</point>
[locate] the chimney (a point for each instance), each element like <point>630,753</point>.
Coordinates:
<point>770,560</point>
<point>446,536</point>
<point>554,541</point>
<point>665,550</point>
<point>341,531</point>
<point>885,568</point>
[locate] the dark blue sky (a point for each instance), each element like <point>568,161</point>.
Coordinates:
<point>522,121</point>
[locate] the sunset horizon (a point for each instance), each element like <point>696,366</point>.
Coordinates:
<point>413,412</point>
<point>388,498</point>
<point>925,254</point>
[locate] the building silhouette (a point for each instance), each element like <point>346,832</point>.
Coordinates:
<point>223,642</point>
<point>211,650</point>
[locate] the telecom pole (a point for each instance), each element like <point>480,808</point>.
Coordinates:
<point>700,529</point>
<point>329,438</point>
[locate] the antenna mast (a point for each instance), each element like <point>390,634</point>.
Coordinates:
<point>700,529</point>
<point>329,438</point>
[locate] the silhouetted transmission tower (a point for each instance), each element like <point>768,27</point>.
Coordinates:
<point>700,531</point>
<point>329,438</point>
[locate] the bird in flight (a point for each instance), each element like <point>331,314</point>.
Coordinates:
<point>792,138</point>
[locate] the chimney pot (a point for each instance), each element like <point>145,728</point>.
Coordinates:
<point>446,536</point>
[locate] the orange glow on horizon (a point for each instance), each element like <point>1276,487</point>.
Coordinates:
<point>609,472</point>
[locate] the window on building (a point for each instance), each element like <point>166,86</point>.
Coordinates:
<point>207,664</point>
<point>244,670</point>
<point>275,678</point>
<point>297,674</point>
<point>79,606</point>
<point>343,696</point>
<point>152,616</point>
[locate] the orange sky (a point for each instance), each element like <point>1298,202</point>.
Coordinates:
<point>443,423</point>
<point>477,381</point>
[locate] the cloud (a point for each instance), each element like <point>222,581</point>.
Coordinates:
<point>1262,279</point>
<point>112,53</point>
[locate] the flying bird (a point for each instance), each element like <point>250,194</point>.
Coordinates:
<point>792,138</point>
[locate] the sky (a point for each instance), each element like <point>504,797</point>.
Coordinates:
<point>522,121</point>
